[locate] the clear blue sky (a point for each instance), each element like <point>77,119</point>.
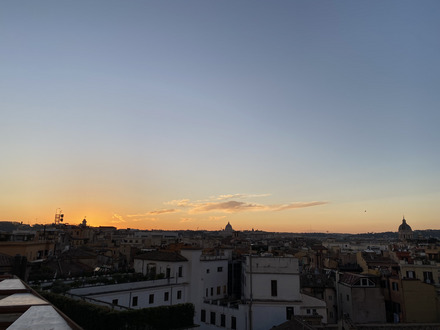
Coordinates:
<point>278,115</point>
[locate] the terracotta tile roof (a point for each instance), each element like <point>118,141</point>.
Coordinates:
<point>352,279</point>
<point>374,259</point>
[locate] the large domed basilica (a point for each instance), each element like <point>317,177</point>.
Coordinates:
<point>228,230</point>
<point>405,231</point>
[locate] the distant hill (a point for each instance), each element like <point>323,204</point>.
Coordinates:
<point>9,226</point>
<point>428,233</point>
<point>418,234</point>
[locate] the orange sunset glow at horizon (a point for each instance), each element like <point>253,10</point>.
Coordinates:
<point>284,116</point>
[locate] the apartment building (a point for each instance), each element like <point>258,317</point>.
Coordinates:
<point>176,278</point>
<point>270,289</point>
<point>360,298</point>
<point>270,296</point>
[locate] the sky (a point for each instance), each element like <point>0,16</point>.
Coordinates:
<point>289,116</point>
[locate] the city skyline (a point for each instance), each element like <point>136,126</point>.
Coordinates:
<point>287,117</point>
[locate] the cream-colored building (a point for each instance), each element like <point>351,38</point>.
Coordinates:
<point>32,250</point>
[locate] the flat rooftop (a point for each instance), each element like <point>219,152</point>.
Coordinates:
<point>22,308</point>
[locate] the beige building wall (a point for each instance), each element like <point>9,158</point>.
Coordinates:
<point>421,302</point>
<point>419,272</point>
<point>31,250</point>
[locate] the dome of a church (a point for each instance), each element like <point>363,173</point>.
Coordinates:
<point>405,231</point>
<point>404,225</point>
<point>228,231</point>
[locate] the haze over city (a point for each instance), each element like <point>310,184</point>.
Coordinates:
<point>290,116</point>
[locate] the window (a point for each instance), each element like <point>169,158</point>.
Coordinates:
<point>152,271</point>
<point>203,315</point>
<point>222,320</point>
<point>274,288</point>
<point>395,307</point>
<point>134,301</point>
<point>219,290</point>
<point>179,294</point>
<point>364,281</point>
<point>212,318</point>
<point>410,274</point>
<point>151,299</point>
<point>348,298</point>
<point>224,289</point>
<point>115,301</point>
<point>427,277</point>
<point>308,310</point>
<point>233,323</point>
<point>168,275</point>
<point>395,286</point>
<point>212,291</point>
<point>330,314</point>
<point>289,313</point>
<point>330,297</point>
<point>206,292</point>
<point>180,271</point>
<point>219,269</point>
<point>207,271</point>
<point>166,296</point>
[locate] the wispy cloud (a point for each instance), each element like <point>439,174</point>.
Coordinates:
<point>217,218</point>
<point>157,212</point>
<point>188,203</point>
<point>179,202</point>
<point>186,220</point>
<point>228,207</point>
<point>299,205</point>
<point>138,215</point>
<point>227,203</point>
<point>237,206</point>
<point>117,218</point>
<point>144,219</point>
<point>238,196</point>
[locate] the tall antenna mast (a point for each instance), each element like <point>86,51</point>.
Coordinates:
<point>59,217</point>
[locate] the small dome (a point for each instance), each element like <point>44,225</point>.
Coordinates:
<point>404,226</point>
<point>228,227</point>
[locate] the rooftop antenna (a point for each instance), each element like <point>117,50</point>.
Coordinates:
<point>59,217</point>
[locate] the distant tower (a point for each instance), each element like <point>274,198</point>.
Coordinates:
<point>405,231</point>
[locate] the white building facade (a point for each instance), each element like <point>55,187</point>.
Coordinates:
<point>135,295</point>
<point>270,296</point>
<point>270,289</point>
